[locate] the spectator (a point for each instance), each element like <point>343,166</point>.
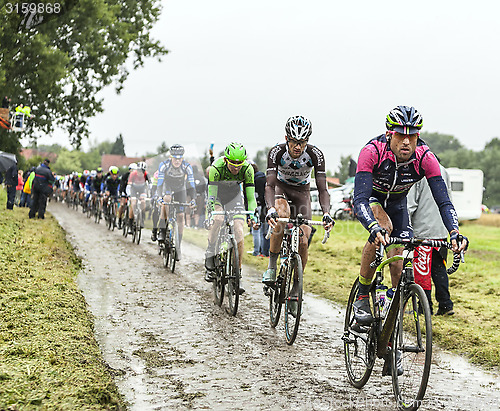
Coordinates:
<point>19,187</point>
<point>26,194</point>
<point>10,184</point>
<point>41,189</point>
<point>430,262</point>
<point>6,102</point>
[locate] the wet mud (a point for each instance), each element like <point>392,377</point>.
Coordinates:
<point>171,347</point>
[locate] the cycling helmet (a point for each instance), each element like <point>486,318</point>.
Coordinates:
<point>298,128</point>
<point>93,173</point>
<point>132,166</point>
<point>141,165</point>
<point>113,170</point>
<point>86,173</point>
<point>235,152</point>
<point>177,151</point>
<point>404,120</point>
<point>99,169</point>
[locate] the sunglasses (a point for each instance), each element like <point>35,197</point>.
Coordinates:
<point>294,142</point>
<point>235,163</point>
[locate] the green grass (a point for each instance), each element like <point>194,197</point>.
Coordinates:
<point>49,358</point>
<point>474,331</point>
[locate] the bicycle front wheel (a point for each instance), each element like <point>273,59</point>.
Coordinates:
<point>412,349</point>
<point>233,277</point>
<point>276,297</point>
<point>173,244</point>
<point>359,351</point>
<point>293,298</point>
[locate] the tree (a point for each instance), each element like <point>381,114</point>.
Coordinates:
<point>67,162</point>
<point>345,169</point>
<point>162,148</point>
<point>58,65</point>
<point>261,158</point>
<point>439,143</point>
<point>118,146</point>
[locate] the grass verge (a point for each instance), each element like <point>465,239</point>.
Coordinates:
<point>474,330</point>
<point>49,357</point>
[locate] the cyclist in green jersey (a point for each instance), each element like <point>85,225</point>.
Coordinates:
<point>224,192</point>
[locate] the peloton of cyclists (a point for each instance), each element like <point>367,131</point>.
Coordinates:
<point>289,167</point>
<point>172,176</point>
<point>224,192</point>
<point>388,166</point>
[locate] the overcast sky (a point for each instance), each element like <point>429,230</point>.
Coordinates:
<point>238,69</point>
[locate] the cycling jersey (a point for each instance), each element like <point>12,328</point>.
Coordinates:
<point>111,185</point>
<point>172,179</point>
<point>294,174</point>
<point>96,183</point>
<point>379,178</point>
<point>225,186</point>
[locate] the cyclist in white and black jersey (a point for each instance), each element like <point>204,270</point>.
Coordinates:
<point>289,167</point>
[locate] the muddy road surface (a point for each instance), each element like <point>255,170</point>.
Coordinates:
<point>170,347</point>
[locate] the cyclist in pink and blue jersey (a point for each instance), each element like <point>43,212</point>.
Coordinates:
<point>387,168</point>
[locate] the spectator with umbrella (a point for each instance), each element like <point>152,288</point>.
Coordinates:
<point>8,164</point>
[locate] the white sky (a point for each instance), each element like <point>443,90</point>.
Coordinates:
<point>238,69</point>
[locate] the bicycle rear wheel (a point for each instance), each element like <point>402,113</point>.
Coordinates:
<point>359,351</point>
<point>413,339</point>
<point>276,297</point>
<point>292,321</point>
<point>233,277</point>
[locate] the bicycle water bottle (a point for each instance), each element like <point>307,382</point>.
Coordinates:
<point>380,295</point>
<point>387,303</point>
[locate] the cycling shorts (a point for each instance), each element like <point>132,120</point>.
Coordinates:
<point>232,202</point>
<point>138,190</point>
<point>179,196</point>
<point>298,198</point>
<point>398,213</point>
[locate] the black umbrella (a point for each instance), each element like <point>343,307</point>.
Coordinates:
<point>7,160</point>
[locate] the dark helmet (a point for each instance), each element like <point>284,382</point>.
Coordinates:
<point>177,151</point>
<point>404,120</point>
<point>298,127</point>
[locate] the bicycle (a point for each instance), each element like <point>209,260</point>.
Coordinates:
<point>125,218</point>
<point>227,262</point>
<point>96,207</point>
<point>110,212</point>
<point>290,269</point>
<point>138,223</point>
<point>405,334</point>
<point>170,246</point>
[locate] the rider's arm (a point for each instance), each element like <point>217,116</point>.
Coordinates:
<point>191,190</point>
<point>363,186</point>
<point>271,176</point>
<point>249,186</point>
<point>213,178</point>
<point>320,173</point>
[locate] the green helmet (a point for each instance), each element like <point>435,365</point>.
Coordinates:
<point>235,152</point>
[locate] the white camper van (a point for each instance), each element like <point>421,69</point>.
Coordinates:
<point>467,192</point>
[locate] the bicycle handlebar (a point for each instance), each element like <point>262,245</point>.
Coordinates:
<point>298,222</point>
<point>411,243</point>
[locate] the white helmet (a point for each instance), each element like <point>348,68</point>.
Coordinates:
<point>141,165</point>
<point>132,166</point>
<point>298,128</point>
